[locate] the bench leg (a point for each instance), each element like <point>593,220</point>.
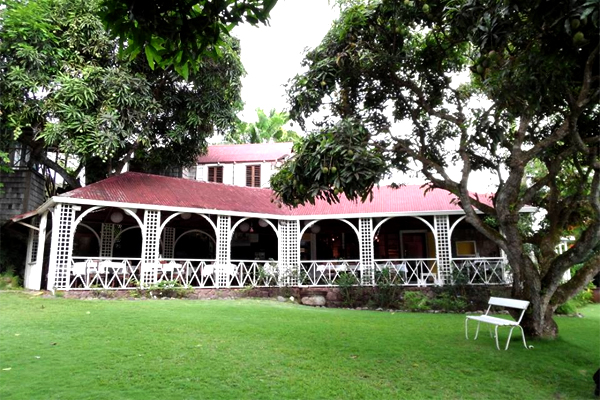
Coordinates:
<point>523,335</point>
<point>496,336</point>
<point>508,340</point>
<point>477,331</point>
<point>467,328</point>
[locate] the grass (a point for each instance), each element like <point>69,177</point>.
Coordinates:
<point>60,348</point>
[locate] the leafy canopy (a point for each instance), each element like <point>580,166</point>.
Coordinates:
<point>489,86</point>
<point>64,87</point>
<point>179,33</point>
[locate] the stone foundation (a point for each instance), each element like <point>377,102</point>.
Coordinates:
<point>476,296</point>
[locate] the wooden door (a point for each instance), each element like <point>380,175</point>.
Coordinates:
<point>413,244</point>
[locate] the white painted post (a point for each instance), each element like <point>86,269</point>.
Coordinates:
<point>30,261</point>
<point>169,242</point>
<point>150,244</point>
<point>107,238</point>
<point>442,251</point>
<point>223,260</point>
<point>34,276</point>
<point>289,252</point>
<point>365,228</point>
<point>61,247</point>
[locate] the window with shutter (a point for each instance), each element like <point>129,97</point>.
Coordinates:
<point>253,175</point>
<point>215,174</point>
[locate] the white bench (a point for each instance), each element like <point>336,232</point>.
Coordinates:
<point>488,319</point>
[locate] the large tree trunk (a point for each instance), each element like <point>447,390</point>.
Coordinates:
<point>537,321</point>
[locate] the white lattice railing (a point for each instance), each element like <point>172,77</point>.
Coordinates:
<point>327,272</point>
<point>104,273</point>
<point>205,273</point>
<point>126,273</point>
<point>481,271</point>
<point>407,271</point>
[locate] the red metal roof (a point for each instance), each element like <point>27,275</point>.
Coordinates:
<point>138,188</point>
<point>228,153</point>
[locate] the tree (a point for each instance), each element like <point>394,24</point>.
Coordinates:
<point>531,96</point>
<point>268,128</point>
<point>64,87</point>
<point>179,33</point>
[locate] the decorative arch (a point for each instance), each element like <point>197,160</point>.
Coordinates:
<point>311,223</point>
<point>170,217</point>
<point>93,231</point>
<point>230,234</point>
<point>192,231</point>
<point>454,225</point>
<point>123,231</point>
<point>431,228</point>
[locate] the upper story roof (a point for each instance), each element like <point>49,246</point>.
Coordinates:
<point>164,192</point>
<point>230,153</point>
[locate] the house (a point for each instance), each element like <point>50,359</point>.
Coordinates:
<point>242,164</point>
<point>138,229</point>
<point>23,188</point>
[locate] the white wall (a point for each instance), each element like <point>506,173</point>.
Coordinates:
<point>235,174</point>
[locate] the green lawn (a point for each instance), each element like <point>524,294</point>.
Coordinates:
<point>250,349</point>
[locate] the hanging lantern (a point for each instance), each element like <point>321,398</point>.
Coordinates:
<point>315,228</point>
<point>186,216</point>
<point>262,223</point>
<point>116,217</point>
<point>244,227</point>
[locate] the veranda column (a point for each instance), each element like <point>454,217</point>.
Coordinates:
<point>107,237</point>
<point>168,242</point>
<point>30,262</point>
<point>223,250</point>
<point>34,276</point>
<point>150,243</point>
<point>365,228</point>
<point>289,252</point>
<point>61,246</point>
<point>442,248</point>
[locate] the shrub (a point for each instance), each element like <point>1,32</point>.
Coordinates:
<point>349,291</point>
<point>581,299</point>
<point>9,281</point>
<point>166,289</point>
<point>387,293</point>
<point>446,302</point>
<point>416,301</point>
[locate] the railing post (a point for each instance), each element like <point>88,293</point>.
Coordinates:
<point>61,246</point>
<point>107,237</point>
<point>168,242</point>
<point>365,227</point>
<point>443,248</point>
<point>150,243</point>
<point>32,276</point>
<point>289,252</point>
<point>223,251</point>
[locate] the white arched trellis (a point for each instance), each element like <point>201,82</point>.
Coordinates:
<point>93,231</point>
<point>431,228</point>
<point>230,234</point>
<point>170,217</point>
<point>311,223</point>
<point>454,226</point>
<point>96,208</point>
<point>123,231</point>
<point>192,231</point>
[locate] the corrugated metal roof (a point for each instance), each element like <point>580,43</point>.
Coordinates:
<point>138,188</point>
<point>228,153</point>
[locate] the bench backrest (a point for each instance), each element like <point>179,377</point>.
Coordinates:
<point>510,303</point>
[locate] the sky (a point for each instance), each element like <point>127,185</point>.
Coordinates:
<point>272,54</point>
